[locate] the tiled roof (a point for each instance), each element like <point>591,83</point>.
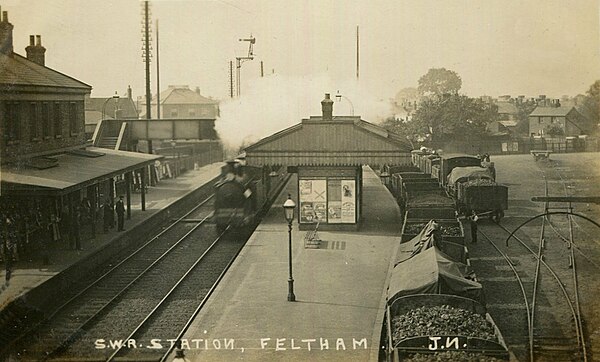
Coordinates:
<point>506,108</point>
<point>340,141</point>
<point>181,95</point>
<point>18,70</point>
<point>508,123</point>
<point>551,111</point>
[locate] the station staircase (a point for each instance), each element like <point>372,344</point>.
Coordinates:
<point>110,135</point>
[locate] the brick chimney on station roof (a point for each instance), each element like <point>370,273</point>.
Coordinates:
<point>6,35</point>
<point>327,108</point>
<point>35,50</point>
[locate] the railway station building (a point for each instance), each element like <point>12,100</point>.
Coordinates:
<point>50,175</point>
<point>328,153</point>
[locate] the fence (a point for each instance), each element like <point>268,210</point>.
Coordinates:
<point>519,146</point>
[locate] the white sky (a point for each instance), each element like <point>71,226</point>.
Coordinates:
<point>496,46</point>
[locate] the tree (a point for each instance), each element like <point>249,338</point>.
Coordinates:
<point>524,110</point>
<point>592,101</point>
<point>453,115</point>
<point>554,130</point>
<point>439,81</point>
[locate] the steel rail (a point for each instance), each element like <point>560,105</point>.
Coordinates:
<point>92,318</point>
<point>536,279</point>
<point>578,319</point>
<point>550,269</point>
<point>270,201</point>
<point>72,299</point>
<point>162,301</point>
<point>523,292</point>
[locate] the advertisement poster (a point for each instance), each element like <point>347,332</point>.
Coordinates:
<point>334,194</point>
<point>348,201</point>
<point>313,200</point>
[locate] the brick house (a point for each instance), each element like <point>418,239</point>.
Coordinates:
<point>41,110</point>
<point>568,118</point>
<point>179,101</point>
<point>48,170</point>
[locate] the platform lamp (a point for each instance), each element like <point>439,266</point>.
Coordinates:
<point>116,98</point>
<point>289,207</point>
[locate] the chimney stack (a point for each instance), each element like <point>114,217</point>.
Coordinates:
<point>327,107</point>
<point>198,90</point>
<point>6,35</point>
<point>129,94</point>
<point>36,53</point>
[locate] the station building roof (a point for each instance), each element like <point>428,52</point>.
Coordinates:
<point>18,71</point>
<point>65,172</point>
<point>335,141</point>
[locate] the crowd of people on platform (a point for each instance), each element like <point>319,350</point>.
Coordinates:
<point>28,229</point>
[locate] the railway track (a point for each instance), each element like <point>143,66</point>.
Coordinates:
<point>71,320</point>
<point>546,274</point>
<point>137,309</point>
<point>173,314</point>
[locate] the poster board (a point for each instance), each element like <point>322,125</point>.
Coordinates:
<point>329,200</point>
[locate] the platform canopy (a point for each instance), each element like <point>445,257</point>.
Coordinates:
<point>335,141</point>
<point>69,171</point>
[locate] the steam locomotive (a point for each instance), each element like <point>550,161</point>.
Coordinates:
<point>243,192</point>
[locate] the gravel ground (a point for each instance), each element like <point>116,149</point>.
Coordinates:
<point>570,174</point>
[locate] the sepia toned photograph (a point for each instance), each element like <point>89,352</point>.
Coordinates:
<point>303,180</point>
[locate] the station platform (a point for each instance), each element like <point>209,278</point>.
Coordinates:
<point>339,289</point>
<point>29,275</point>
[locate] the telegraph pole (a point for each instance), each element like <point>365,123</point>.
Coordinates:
<point>157,76</point>
<point>357,53</point>
<point>147,55</point>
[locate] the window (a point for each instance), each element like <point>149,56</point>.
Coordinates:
<point>46,125</point>
<point>33,122</point>
<point>73,127</point>
<point>58,117</point>
<point>192,112</point>
<point>173,113</point>
<point>13,121</point>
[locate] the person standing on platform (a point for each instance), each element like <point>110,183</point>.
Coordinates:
<point>120,213</point>
<point>108,215</point>
<point>473,221</point>
<point>6,251</point>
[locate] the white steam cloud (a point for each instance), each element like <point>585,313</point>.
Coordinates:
<point>270,104</point>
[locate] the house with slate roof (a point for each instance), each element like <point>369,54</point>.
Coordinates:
<point>46,162</point>
<point>41,109</point>
<point>568,118</point>
<point>179,101</point>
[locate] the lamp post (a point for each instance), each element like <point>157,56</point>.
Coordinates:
<point>289,206</point>
<point>339,97</point>
<point>116,97</point>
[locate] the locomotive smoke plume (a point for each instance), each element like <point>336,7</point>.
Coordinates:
<point>270,104</point>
